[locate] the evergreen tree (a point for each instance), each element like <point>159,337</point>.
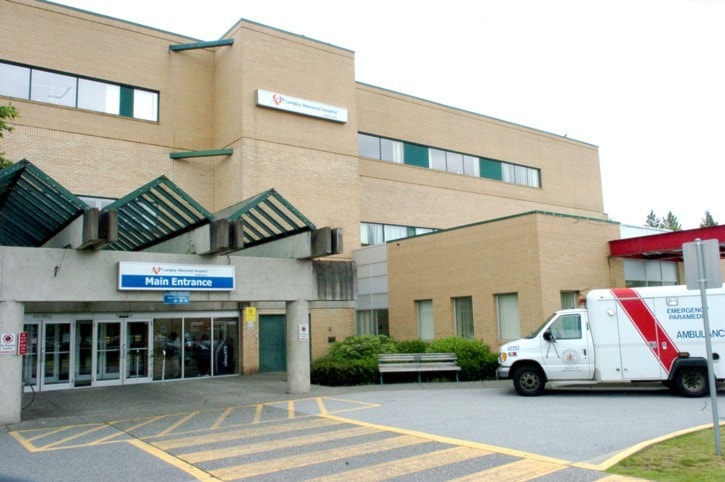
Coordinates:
<point>670,222</point>
<point>7,112</point>
<point>653,221</point>
<point>708,221</point>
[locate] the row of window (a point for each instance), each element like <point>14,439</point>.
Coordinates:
<point>401,152</point>
<point>40,85</point>
<point>375,233</point>
<point>375,322</point>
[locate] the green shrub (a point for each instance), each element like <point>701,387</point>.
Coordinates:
<point>353,361</point>
<point>412,346</point>
<point>336,373</point>
<point>474,357</point>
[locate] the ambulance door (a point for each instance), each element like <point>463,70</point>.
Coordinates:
<point>638,342</point>
<point>566,349</point>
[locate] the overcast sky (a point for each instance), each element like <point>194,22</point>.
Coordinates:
<point>644,80</point>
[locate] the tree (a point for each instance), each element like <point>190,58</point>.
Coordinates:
<point>708,221</point>
<point>670,222</point>
<point>653,221</point>
<point>7,112</point>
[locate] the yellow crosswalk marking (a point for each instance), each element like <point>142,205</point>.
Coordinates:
<point>268,429</point>
<point>406,466</point>
<point>302,460</point>
<point>236,451</point>
<point>519,471</point>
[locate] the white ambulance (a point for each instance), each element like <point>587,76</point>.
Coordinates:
<point>623,335</point>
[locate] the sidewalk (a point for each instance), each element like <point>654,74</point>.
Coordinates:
<point>101,404</point>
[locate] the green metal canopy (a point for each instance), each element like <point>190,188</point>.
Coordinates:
<point>33,207</point>
<point>154,213</point>
<point>266,217</point>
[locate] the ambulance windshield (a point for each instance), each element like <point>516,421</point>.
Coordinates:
<point>534,333</point>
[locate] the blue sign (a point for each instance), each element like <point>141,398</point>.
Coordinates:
<point>149,276</point>
<point>176,298</point>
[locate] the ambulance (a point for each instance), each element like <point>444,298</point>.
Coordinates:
<point>624,335</point>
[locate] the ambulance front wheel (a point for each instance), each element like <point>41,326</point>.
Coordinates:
<point>529,381</point>
<point>691,382</point>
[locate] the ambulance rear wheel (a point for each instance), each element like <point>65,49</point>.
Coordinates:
<point>529,381</point>
<point>691,382</point>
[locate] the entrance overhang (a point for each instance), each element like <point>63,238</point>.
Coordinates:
<point>664,247</point>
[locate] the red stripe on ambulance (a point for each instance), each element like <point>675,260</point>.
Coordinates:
<point>662,347</point>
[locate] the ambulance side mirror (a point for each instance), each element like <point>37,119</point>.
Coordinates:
<point>549,337</point>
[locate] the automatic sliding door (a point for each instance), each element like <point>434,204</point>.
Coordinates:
<point>56,356</point>
<point>137,351</point>
<point>108,351</point>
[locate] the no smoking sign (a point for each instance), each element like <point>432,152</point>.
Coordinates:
<point>14,343</point>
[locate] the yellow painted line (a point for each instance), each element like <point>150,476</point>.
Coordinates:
<point>217,423</point>
<point>291,409</point>
<point>139,425</point>
<point>321,405</point>
<point>24,442</point>
<point>178,424</point>
<point>298,424</point>
<point>360,405</point>
<point>76,436</point>
<point>195,472</point>
<point>303,460</point>
<point>52,432</point>
<point>519,471</point>
<point>215,454</point>
<point>454,441</point>
<point>258,413</point>
<point>407,466</point>
<point>614,460</point>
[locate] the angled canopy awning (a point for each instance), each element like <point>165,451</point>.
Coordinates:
<point>154,213</point>
<point>266,217</point>
<point>33,207</point>
<point>665,247</point>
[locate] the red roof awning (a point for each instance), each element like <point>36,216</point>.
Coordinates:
<point>667,246</point>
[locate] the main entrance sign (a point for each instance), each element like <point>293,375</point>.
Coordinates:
<point>170,277</point>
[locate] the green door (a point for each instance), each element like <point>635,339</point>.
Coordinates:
<point>272,346</point>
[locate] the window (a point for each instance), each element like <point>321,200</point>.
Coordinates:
<point>99,96</point>
<point>14,81</point>
<point>373,233</point>
<point>407,153</point>
<point>569,299</point>
<point>463,313</point>
<point>426,330</point>
<point>639,273</point>
<point>372,322</point>
<point>72,91</point>
<point>568,327</point>
<point>526,176</point>
<point>53,88</point>
<point>507,308</point>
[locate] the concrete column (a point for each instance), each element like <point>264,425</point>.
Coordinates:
<point>12,314</point>
<point>297,327</point>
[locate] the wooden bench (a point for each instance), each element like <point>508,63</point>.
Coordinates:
<point>417,362</point>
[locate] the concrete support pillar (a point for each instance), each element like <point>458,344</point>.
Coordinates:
<point>11,366</point>
<point>297,327</point>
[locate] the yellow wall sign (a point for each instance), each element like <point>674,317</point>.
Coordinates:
<point>250,314</point>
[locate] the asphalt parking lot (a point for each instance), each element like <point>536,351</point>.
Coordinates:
<point>576,431</point>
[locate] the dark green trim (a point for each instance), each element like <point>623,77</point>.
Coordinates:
<point>126,107</point>
<point>490,169</point>
<point>201,45</point>
<point>415,155</point>
<point>209,153</point>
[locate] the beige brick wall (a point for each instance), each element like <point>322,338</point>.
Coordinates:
<point>536,256</point>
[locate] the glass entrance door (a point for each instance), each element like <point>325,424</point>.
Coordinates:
<point>136,352</point>
<point>57,345</point>
<point>121,352</point>
<point>107,352</point>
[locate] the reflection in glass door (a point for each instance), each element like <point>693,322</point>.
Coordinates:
<point>83,353</point>
<point>30,360</point>
<point>108,351</point>
<point>56,359</point>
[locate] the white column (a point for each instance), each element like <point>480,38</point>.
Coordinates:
<point>11,366</point>
<point>297,326</point>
